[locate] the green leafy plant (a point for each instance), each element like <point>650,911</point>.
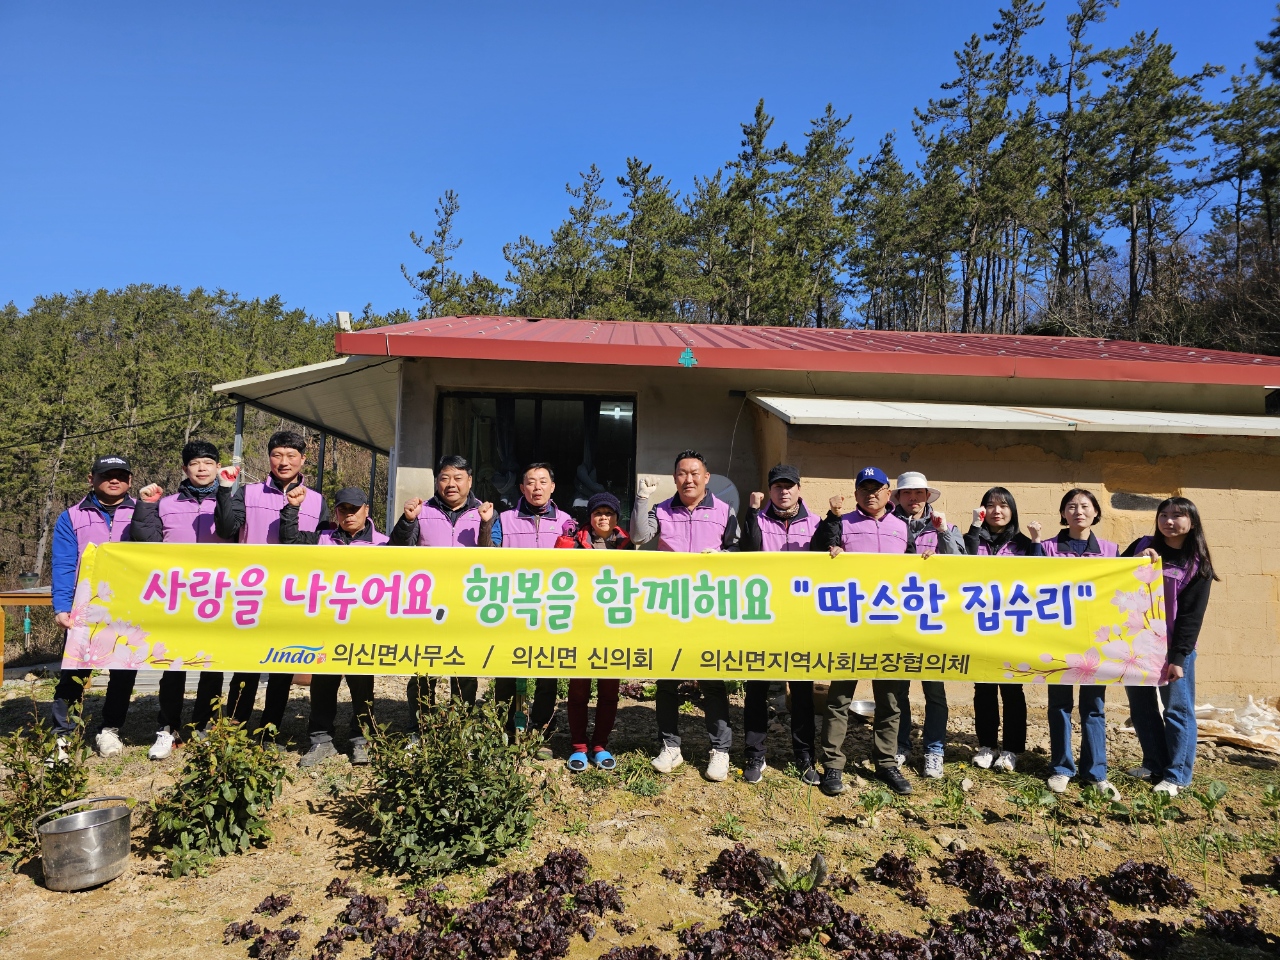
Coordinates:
<point>593,781</point>
<point>459,796</point>
<point>1031,799</point>
<point>1211,799</point>
<point>954,804</point>
<point>31,784</point>
<point>729,827</point>
<point>228,783</point>
<point>872,801</point>
<point>636,774</point>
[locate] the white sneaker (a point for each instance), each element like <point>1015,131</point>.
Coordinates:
<point>109,744</point>
<point>668,760</point>
<point>933,765</point>
<point>1007,762</point>
<point>162,747</point>
<point>984,758</point>
<point>718,766</point>
<point>901,759</point>
<point>61,756</point>
<point>1167,786</point>
<point>1139,773</point>
<point>1058,783</point>
<point>1108,790</point>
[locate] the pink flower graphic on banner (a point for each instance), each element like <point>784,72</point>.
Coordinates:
<point>1147,573</point>
<point>104,592</point>
<point>1135,621</point>
<point>1081,668</point>
<point>1132,600</point>
<point>1102,634</point>
<point>131,656</point>
<point>1133,662</point>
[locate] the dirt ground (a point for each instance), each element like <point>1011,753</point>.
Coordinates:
<point>630,839</point>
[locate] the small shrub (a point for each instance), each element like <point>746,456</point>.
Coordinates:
<point>31,785</point>
<point>636,774</point>
<point>458,797</point>
<point>1147,885</point>
<point>219,805</point>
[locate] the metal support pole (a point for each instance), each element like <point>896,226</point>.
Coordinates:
<point>373,472</point>
<point>237,453</point>
<point>320,467</point>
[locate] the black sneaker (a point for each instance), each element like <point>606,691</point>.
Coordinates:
<point>753,771</point>
<point>832,783</point>
<point>810,777</point>
<point>892,778</point>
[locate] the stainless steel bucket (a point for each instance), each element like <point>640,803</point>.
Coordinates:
<point>84,849</point>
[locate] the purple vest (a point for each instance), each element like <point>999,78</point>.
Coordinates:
<point>435,530</point>
<point>533,531</point>
<point>681,530</point>
<point>1057,548</point>
<point>1176,579</point>
<point>186,520</point>
<point>326,540</point>
<point>862,534</point>
<point>779,537</point>
<point>262,505</point>
<point>1009,548</point>
<point>91,526</point>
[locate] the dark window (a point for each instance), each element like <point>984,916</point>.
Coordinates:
<point>591,442</point>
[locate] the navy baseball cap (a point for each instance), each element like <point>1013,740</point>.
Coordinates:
<point>109,463</point>
<point>351,496</point>
<point>867,474</point>
<point>784,473</point>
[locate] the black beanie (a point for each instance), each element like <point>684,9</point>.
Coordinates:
<point>200,448</point>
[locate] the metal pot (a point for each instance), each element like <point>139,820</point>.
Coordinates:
<point>84,849</point>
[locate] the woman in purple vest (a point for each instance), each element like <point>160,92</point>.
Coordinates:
<point>351,528</point>
<point>870,528</point>
<point>784,525</point>
<point>693,521</point>
<point>1080,511</point>
<point>913,501</point>
<point>995,533</point>
<point>182,517</point>
<point>250,513</point>
<point>453,517</point>
<point>536,523</point>
<point>1169,742</point>
<point>105,515</point>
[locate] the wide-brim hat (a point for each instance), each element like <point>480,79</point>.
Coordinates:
<point>914,480</point>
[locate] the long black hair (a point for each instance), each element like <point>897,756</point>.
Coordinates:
<point>1002,495</point>
<point>1195,544</point>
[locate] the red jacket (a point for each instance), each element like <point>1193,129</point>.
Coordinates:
<point>618,540</point>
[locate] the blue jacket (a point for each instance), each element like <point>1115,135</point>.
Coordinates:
<point>66,555</point>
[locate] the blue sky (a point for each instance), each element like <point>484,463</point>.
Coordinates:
<point>289,149</point>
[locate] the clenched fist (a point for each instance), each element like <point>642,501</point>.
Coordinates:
<point>151,493</point>
<point>757,500</point>
<point>296,495</point>
<point>979,515</point>
<point>413,508</point>
<point>227,476</point>
<point>645,486</point>
<point>939,521</point>
<point>836,502</point>
<point>1033,530</point>
<point>486,512</point>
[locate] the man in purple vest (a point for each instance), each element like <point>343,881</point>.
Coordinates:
<point>693,521</point>
<point>785,525</point>
<point>930,532</point>
<point>105,515</point>
<point>182,517</point>
<point>352,528</point>
<point>535,522</point>
<point>870,528</point>
<point>250,513</point>
<point>453,517</point>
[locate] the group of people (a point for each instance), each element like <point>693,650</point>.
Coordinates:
<point>211,506</point>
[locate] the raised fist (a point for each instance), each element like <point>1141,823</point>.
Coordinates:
<point>486,512</point>
<point>757,500</point>
<point>412,508</point>
<point>1033,530</point>
<point>836,503</point>
<point>227,476</point>
<point>151,493</point>
<point>979,515</point>
<point>939,520</point>
<point>296,495</point>
<point>646,484</point>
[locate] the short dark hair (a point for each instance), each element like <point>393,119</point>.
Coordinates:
<point>551,471</point>
<point>689,455</point>
<point>198,449</point>
<point>454,461</point>
<point>287,438</point>
<point>1079,492</point>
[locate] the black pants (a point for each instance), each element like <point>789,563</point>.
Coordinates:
<point>543,709</point>
<point>70,690</point>
<point>464,688</point>
<point>755,719</point>
<point>173,689</point>
<point>715,705</point>
<point>986,715</point>
<point>244,690</point>
<point>324,704</point>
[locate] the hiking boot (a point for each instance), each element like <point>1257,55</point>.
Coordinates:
<point>668,760</point>
<point>109,743</point>
<point>321,750</point>
<point>359,753</point>
<point>892,778</point>
<point>1008,762</point>
<point>162,747</point>
<point>1058,783</point>
<point>810,777</point>
<point>753,770</point>
<point>933,766</point>
<point>832,783</point>
<point>718,766</point>
<point>984,758</point>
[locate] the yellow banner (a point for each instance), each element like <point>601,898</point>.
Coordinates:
<point>765,616</point>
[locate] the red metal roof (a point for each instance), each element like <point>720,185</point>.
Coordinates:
<point>629,343</point>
